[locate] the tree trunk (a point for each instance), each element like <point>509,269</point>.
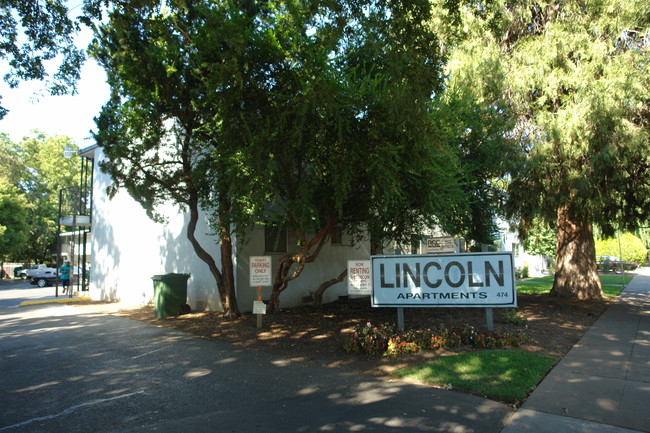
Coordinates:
<point>318,294</point>
<point>576,273</point>
<point>230,307</point>
<point>282,276</point>
<point>280,283</point>
<point>225,286</point>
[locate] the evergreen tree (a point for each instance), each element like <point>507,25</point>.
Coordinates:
<point>577,75</point>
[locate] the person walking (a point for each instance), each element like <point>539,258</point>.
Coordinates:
<point>64,276</point>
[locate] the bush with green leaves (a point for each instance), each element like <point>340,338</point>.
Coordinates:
<point>387,340</point>
<point>630,249</point>
<point>510,315</point>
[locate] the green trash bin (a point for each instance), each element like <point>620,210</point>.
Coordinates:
<point>170,294</point>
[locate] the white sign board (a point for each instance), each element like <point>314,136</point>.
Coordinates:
<point>359,277</point>
<point>444,244</point>
<point>446,280</point>
<point>259,307</point>
<point>260,271</point>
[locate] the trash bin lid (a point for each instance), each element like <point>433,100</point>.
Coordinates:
<point>168,276</point>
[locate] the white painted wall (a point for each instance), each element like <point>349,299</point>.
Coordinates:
<point>128,248</point>
<point>536,263</point>
<point>331,261</point>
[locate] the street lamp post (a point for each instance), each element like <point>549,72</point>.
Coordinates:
<point>75,212</point>
<point>67,154</point>
<point>59,246</point>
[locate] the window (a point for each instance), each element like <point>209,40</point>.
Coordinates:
<point>515,248</point>
<point>336,236</point>
<point>275,240</point>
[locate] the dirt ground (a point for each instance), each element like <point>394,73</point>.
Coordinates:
<point>301,334</point>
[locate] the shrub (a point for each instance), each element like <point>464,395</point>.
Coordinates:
<point>522,272</point>
<point>370,340</point>
<point>511,316</point>
<point>387,340</point>
<point>631,248</point>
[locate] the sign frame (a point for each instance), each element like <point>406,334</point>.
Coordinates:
<point>462,280</point>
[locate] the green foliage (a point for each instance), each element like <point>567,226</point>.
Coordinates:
<point>387,340</point>
<point>14,229</point>
<point>628,248</point>
<point>38,170</point>
<point>33,34</point>
<point>577,76</point>
<point>285,113</point>
<point>473,116</point>
<point>612,284</point>
<point>349,136</point>
<point>185,82</point>
<point>580,76</point>
<point>507,375</point>
<point>510,315</point>
<point>538,238</point>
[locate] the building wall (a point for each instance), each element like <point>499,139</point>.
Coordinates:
<point>128,248</point>
<point>536,263</point>
<point>331,261</point>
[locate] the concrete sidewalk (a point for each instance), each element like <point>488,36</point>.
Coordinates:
<point>603,383</point>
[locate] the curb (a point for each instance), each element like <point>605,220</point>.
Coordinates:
<point>53,301</point>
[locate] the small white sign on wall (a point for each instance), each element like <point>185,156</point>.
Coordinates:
<point>260,271</point>
<point>443,244</point>
<point>259,307</point>
<point>359,277</point>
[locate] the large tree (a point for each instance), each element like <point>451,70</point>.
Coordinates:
<point>319,112</point>
<point>14,229</point>
<point>578,77</point>
<point>173,130</point>
<point>37,168</point>
<point>352,144</point>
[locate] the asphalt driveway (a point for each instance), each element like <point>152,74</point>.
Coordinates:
<point>68,369</point>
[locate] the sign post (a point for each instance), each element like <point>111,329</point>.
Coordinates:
<point>260,275</point>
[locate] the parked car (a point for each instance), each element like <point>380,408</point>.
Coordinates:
<point>45,278</point>
<point>614,264</point>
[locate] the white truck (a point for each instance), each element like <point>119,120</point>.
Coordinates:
<point>37,270</point>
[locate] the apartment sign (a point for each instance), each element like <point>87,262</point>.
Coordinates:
<point>359,277</point>
<point>444,280</point>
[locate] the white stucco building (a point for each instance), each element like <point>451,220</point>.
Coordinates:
<point>510,241</point>
<point>128,248</point>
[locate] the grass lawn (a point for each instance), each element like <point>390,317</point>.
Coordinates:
<point>612,284</point>
<point>506,375</point>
